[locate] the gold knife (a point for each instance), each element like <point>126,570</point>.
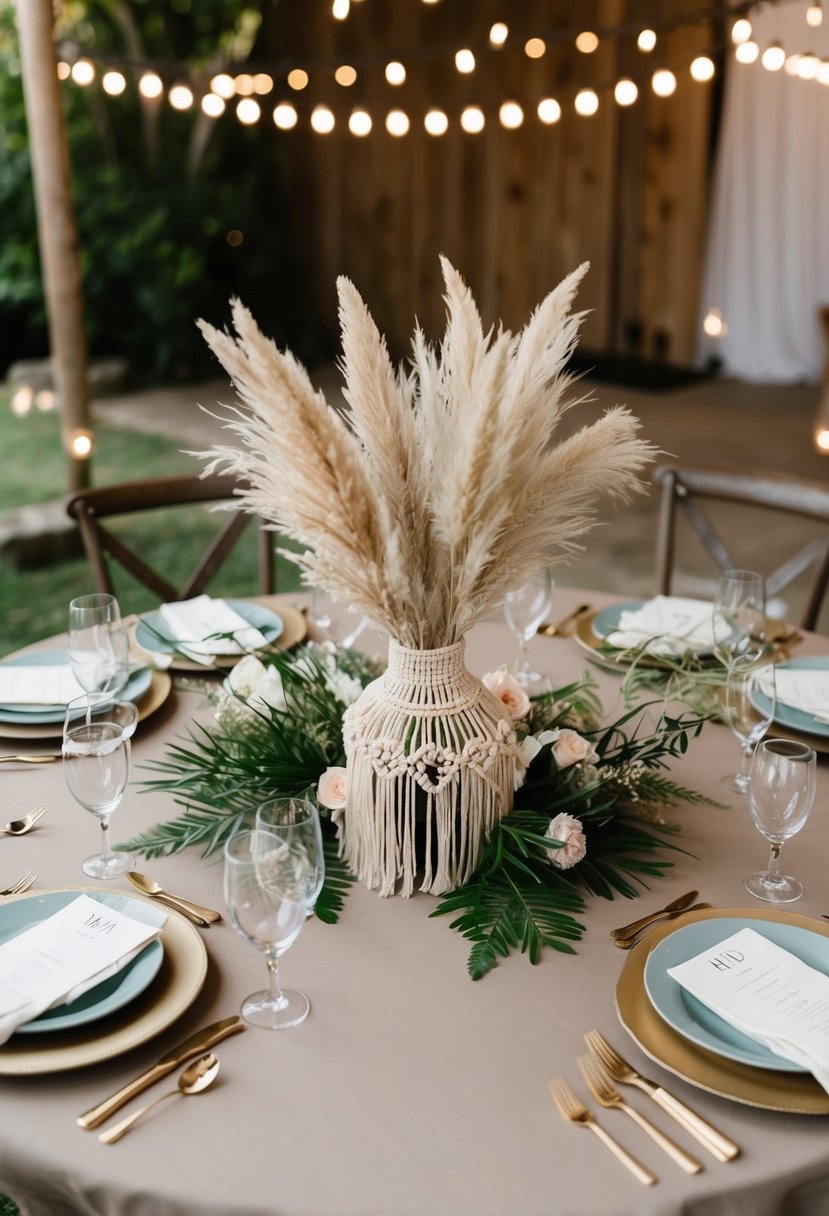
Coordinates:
<point>678,905</point>
<point>193,1046</point>
<point>46,759</point>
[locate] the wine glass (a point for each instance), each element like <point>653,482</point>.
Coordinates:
<point>96,766</point>
<point>98,646</point>
<point>265,883</point>
<point>750,703</point>
<point>739,615</point>
<point>524,610</point>
<point>336,622</point>
<point>297,821</point>
<point>780,795</point>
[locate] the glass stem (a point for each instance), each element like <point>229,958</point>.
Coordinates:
<point>523,662</point>
<point>274,991</point>
<point>745,764</point>
<point>773,872</point>
<point>106,852</point>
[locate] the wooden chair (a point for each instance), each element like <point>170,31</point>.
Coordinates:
<point>91,507</point>
<point>688,488</point>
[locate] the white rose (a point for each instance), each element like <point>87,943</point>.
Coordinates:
<point>569,747</point>
<point>246,676</point>
<point>568,830</point>
<point>269,691</point>
<point>332,788</point>
<point>509,692</point>
<point>528,749</point>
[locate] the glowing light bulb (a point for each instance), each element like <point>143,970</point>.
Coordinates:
<point>243,84</point>
<point>746,52</point>
<point>713,323</point>
<point>663,82</point>
<point>790,66</point>
<point>625,92</point>
<point>345,75</point>
<point>248,111</point>
<point>45,400</point>
<point>702,68</point>
<point>395,72</point>
<point>498,34</point>
<point>180,97</point>
<point>741,30</point>
<point>511,115</point>
<point>213,105</point>
<point>113,83</point>
<point>397,123</point>
<point>646,40</point>
<point>436,122</point>
<point>150,85</point>
<point>262,83</point>
<point>340,9</point>
<point>21,402</point>
<point>814,15</point>
<point>322,120</point>
<point>223,86</point>
<point>285,116</point>
<point>807,67</point>
<point>534,48</point>
<point>64,70</point>
<point>297,79</point>
<point>465,61</point>
<point>823,72</point>
<point>773,57</point>
<point>587,102</point>
<point>472,120</point>
<point>549,111</point>
<point>359,123</point>
<point>83,72</point>
<point>822,440</point>
<point>586,42</point>
<point>81,443</point>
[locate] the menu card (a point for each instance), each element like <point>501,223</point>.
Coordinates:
<point>38,684</point>
<point>201,621</point>
<point>768,994</point>
<point>60,958</point>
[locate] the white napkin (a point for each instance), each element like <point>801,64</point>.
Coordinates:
<point>768,994</point>
<point>195,624</point>
<point>47,684</point>
<point>806,689</point>
<point>57,960</point>
<point>139,655</point>
<point>671,625</point>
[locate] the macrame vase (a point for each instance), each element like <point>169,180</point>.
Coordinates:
<point>431,764</point>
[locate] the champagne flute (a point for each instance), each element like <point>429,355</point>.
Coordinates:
<point>739,615</point>
<point>297,822</point>
<point>524,610</point>
<point>98,646</point>
<point>750,703</point>
<point>780,795</point>
<point>265,883</point>
<point>96,767</point>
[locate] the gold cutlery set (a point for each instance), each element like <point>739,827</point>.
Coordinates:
<point>198,915</point>
<point>600,1069</point>
<point>19,827</point>
<point>629,935</point>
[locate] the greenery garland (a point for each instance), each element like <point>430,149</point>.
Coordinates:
<point>588,814</point>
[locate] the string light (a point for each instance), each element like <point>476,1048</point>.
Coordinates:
<point>81,443</point>
<point>359,123</point>
<point>285,116</point>
<point>534,48</point>
<point>814,15</point>
<point>150,85</point>
<point>262,84</point>
<point>243,84</point>
<point>823,73</point>
<point>212,105</point>
<point>511,115</point>
<point>465,61</point>
<point>113,83</point>
<point>64,70</point>
<point>297,79</point>
<point>223,86</point>
<point>45,400</point>
<point>472,120</point>
<point>822,440</point>
<point>587,102</point>
<point>248,111</point>
<point>713,324</point>
<point>340,9</point>
<point>746,52</point>
<point>663,82</point>
<point>396,73</point>
<point>345,75</point>
<point>702,68</point>
<point>625,92</point>
<point>807,67</point>
<point>436,122</point>
<point>83,72</point>
<point>646,40</point>
<point>498,34</point>
<point>741,30</point>
<point>586,42</point>
<point>397,123</point>
<point>549,111</point>
<point>322,120</point>
<point>180,97</point>
<point>773,57</point>
<point>21,402</point>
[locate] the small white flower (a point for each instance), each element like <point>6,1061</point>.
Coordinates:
<point>344,687</point>
<point>246,676</point>
<point>568,830</point>
<point>269,691</point>
<point>528,749</point>
<point>509,692</point>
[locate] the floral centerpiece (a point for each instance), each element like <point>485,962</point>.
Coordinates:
<point>434,492</point>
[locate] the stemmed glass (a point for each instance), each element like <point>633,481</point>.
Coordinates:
<point>524,610</point>
<point>335,621</point>
<point>739,607</point>
<point>296,821</point>
<point>780,795</point>
<point>750,703</point>
<point>265,883</point>
<point>96,766</point>
<point>98,645</point>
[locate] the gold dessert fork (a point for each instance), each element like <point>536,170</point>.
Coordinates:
<point>608,1096</point>
<point>19,827</point>
<point>717,1144</point>
<point>22,884</point>
<point>571,1108</point>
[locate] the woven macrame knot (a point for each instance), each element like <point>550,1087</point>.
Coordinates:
<point>431,760</point>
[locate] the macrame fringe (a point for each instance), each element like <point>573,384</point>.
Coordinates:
<point>427,741</point>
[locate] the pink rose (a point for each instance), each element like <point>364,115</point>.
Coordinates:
<point>509,692</point>
<point>332,788</point>
<point>568,830</point>
<point>569,747</point>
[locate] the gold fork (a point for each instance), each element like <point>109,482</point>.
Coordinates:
<point>19,827</point>
<point>714,1141</point>
<point>571,1108</point>
<point>22,884</point>
<point>608,1096</point>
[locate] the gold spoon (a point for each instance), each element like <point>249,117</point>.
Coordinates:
<point>149,886</point>
<point>194,1079</point>
<point>551,629</point>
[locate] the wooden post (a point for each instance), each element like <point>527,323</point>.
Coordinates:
<point>57,232</point>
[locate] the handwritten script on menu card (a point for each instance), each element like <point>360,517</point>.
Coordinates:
<point>65,954</point>
<point>766,992</point>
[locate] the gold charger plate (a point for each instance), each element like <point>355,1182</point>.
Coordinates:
<point>797,1093</point>
<point>173,990</point>
<point>161,685</point>
<point>294,631</point>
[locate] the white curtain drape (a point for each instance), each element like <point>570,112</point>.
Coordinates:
<point>767,259</point>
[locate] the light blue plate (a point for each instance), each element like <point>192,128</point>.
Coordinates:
<point>607,620</point>
<point>151,631</point>
<point>695,1021</point>
<point>787,715</point>
<point>112,994</point>
<point>16,715</point>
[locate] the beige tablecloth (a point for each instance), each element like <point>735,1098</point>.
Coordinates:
<point>410,1089</point>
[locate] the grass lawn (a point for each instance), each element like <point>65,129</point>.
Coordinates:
<point>33,603</point>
